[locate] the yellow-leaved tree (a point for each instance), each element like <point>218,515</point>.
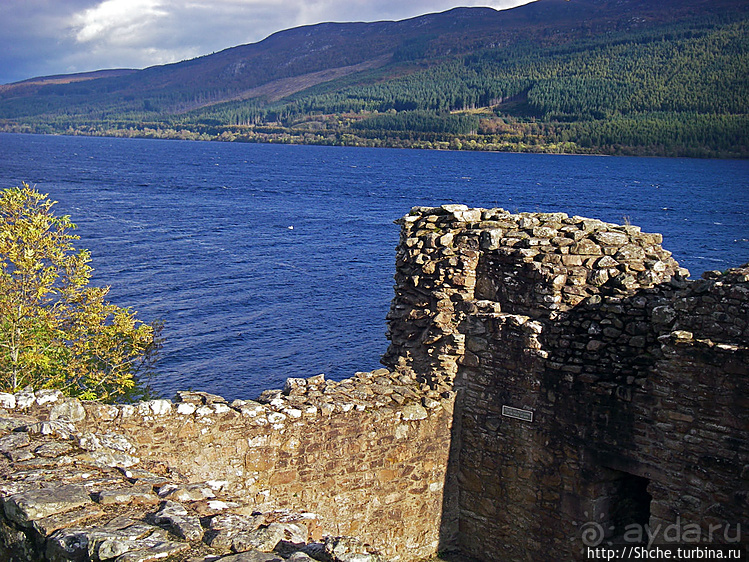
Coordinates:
<point>56,331</point>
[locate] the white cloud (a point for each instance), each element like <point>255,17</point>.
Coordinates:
<point>119,22</point>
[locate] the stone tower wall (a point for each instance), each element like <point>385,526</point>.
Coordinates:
<point>636,379</point>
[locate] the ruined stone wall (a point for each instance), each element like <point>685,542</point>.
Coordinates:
<point>367,456</point>
<point>553,383</point>
<point>636,380</point>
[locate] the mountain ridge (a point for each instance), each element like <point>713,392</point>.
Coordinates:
<point>263,84</point>
<point>233,60</point>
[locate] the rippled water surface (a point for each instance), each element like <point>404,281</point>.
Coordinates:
<point>270,261</point>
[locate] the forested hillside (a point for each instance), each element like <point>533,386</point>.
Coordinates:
<point>597,76</point>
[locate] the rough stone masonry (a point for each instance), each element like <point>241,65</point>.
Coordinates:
<point>552,383</point>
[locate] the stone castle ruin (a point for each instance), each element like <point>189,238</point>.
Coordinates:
<point>552,383</point>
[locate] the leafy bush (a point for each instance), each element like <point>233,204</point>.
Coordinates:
<point>56,331</point>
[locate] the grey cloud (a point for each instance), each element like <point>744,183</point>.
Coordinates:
<point>34,36</point>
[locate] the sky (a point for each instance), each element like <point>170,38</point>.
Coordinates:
<point>47,37</point>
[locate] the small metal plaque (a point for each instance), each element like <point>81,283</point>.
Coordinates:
<point>517,413</point>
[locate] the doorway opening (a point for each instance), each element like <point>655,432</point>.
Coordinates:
<point>627,506</point>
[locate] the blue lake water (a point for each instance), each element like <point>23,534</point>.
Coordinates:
<point>200,235</point>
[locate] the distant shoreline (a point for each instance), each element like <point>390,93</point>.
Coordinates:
<point>457,144</point>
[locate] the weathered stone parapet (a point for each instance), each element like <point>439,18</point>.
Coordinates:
<point>361,454</point>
